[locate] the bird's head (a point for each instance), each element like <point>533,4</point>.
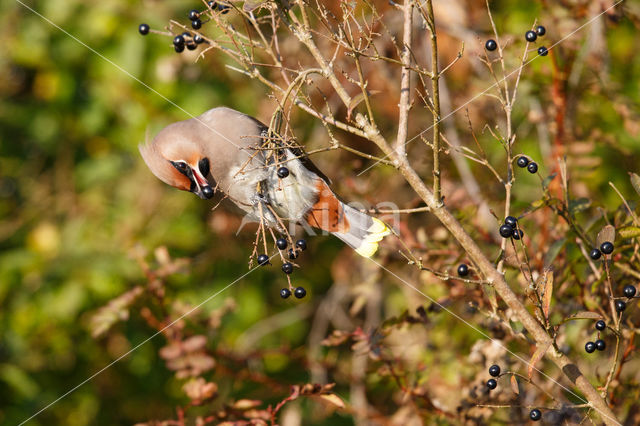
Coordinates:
<point>178,160</point>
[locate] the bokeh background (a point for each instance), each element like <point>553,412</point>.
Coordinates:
<point>78,206</point>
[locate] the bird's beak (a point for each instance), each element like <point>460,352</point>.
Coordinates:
<point>202,188</point>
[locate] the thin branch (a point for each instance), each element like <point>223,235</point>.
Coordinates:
<point>405,80</point>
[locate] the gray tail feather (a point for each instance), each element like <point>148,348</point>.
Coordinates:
<point>365,232</point>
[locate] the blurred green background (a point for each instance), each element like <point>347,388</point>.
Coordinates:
<point>76,200</point>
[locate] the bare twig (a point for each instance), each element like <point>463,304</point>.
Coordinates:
<point>405,80</point>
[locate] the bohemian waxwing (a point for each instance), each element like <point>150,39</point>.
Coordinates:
<point>220,150</point>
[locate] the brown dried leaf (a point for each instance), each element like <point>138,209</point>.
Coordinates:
<point>171,351</point>
<point>584,315</point>
<point>199,389</point>
<point>246,404</point>
<point>116,310</point>
<point>537,355</point>
<point>548,292</point>
<point>337,338</point>
<point>607,233</point>
<point>200,362</point>
<point>333,399</point>
<point>251,5</point>
<point>257,414</point>
<point>194,343</point>
<point>514,385</point>
<point>162,255</point>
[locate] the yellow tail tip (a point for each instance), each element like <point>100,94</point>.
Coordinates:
<point>377,232</point>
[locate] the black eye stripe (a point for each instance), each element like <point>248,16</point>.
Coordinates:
<point>203,166</point>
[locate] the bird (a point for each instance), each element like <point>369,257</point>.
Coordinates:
<point>224,150</point>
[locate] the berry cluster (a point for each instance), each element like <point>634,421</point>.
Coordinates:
<point>494,371</point>
<point>287,267</point>
<point>532,166</point>
<point>186,39</point>
<point>606,248</point>
<point>531,36</point>
<point>510,229</point>
<point>599,344</point>
<point>628,291</point>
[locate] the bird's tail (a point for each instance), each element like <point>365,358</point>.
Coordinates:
<point>358,230</point>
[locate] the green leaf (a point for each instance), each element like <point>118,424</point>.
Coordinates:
<point>584,315</point>
<point>553,251</point>
<point>635,182</point>
<point>578,205</point>
<point>547,180</point>
<point>537,356</point>
<point>629,232</point>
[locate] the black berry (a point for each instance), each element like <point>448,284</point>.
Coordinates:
<point>212,4</point>
<point>283,172</point>
<point>193,14</point>
<point>601,345</point>
<point>595,254</point>
<point>178,40</point>
<point>590,347</point>
<point>300,292</point>
<point>629,291</point>
<point>263,259</point>
<point>491,45</point>
<point>223,8</point>
<point>143,29</point>
<point>532,167</point>
<point>192,46</point>
<point>540,30</point>
<point>198,38</point>
<point>196,24</point>
<point>287,268</point>
<point>494,370</point>
<point>517,234</point>
<point>301,244</point>
<point>600,325</point>
<point>620,305</point>
<point>179,48</point>
<point>531,36</point>
<point>492,384</point>
<point>542,51</point>
<point>293,254</point>
<point>511,221</point>
<point>535,414</point>
<point>506,231</point>
<point>522,162</point>
<point>285,293</point>
<point>463,270</point>
<point>606,247</point>
<point>281,243</point>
